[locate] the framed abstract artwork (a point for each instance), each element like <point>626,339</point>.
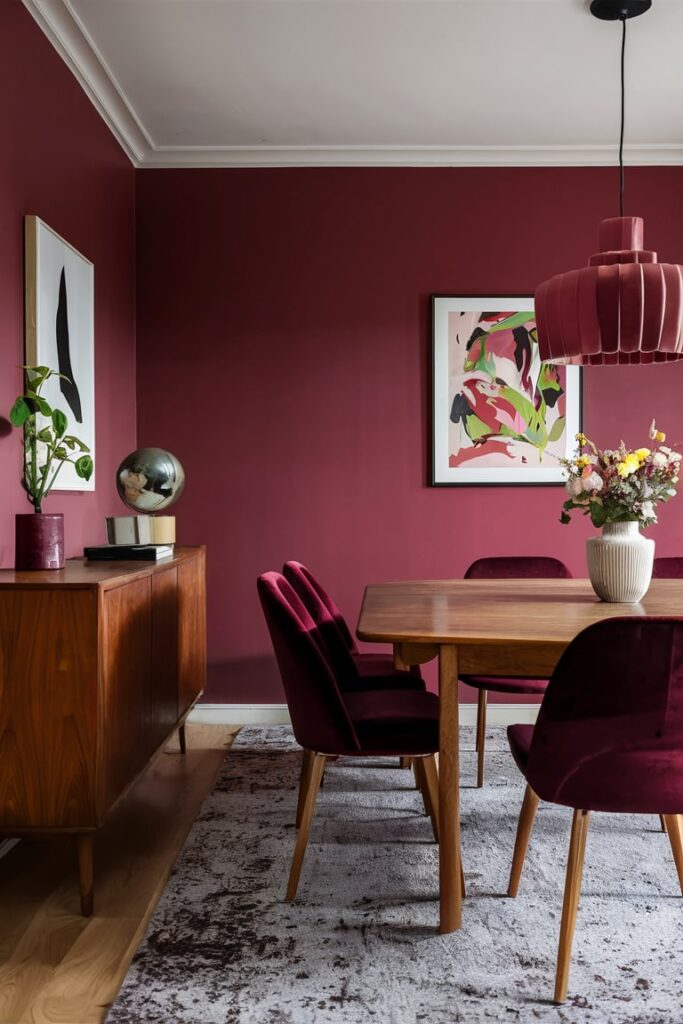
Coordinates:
<point>59,298</point>
<point>500,415</point>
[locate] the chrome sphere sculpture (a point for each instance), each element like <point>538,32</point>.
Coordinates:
<point>149,480</point>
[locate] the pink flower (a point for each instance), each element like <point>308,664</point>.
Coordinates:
<point>592,482</point>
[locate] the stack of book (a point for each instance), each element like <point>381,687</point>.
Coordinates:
<point>128,552</point>
<point>131,539</point>
<point>140,529</point>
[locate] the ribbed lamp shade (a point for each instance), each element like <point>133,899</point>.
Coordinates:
<point>624,307</point>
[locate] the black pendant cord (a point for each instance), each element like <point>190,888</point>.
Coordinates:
<point>621,135</point>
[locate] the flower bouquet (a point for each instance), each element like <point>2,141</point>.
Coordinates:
<point>620,485</point>
<point>619,489</point>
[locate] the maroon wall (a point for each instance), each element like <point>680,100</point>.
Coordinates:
<point>284,356</point>
<point>61,162</point>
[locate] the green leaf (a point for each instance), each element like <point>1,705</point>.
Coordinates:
<point>19,412</point>
<point>45,435</point>
<point>42,405</point>
<point>84,467</point>
<point>565,517</point>
<point>59,422</point>
<point>61,453</point>
<point>70,438</point>
<point>69,442</point>
<point>557,429</point>
<point>36,374</point>
<point>598,513</point>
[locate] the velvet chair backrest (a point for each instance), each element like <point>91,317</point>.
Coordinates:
<point>318,602</point>
<point>319,716</point>
<point>610,727</point>
<point>667,569</point>
<point>518,567</point>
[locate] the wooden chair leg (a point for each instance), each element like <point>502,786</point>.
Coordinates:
<point>182,739</point>
<point>406,762</point>
<point>463,891</point>
<point>85,871</point>
<point>673,824</point>
<point>317,767</point>
<point>304,782</point>
<point>481,735</point>
<point>431,777</point>
<point>572,888</point>
<point>421,783</point>
<point>662,822</point>
<point>524,827</point>
<point>332,757</point>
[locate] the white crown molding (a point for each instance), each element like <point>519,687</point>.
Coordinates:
<point>277,714</point>
<point>410,156</point>
<point>70,38</point>
<point>76,48</point>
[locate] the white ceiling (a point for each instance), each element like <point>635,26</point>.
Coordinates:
<point>251,82</point>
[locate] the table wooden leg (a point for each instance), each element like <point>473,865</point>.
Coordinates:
<point>449,792</point>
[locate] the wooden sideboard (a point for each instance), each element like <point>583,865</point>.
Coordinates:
<point>99,663</point>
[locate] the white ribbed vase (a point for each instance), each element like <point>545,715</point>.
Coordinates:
<point>620,563</point>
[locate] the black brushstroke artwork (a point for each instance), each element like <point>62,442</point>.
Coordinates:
<point>67,383</point>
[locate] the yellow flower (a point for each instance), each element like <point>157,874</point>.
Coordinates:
<point>656,435</point>
<point>581,439</point>
<point>642,453</point>
<point>582,461</point>
<point>629,465</point>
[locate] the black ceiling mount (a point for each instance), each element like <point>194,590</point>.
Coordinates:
<point>619,10</point>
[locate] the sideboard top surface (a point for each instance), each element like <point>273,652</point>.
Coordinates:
<point>78,574</point>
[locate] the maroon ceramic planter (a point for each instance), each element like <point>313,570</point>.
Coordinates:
<point>39,540</point>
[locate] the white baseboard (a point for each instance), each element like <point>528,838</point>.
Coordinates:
<point>500,714</point>
<point>277,714</point>
<point>240,714</point>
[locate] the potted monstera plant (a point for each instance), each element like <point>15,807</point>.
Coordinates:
<point>47,447</point>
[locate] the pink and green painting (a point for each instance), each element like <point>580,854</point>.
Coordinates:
<point>501,415</point>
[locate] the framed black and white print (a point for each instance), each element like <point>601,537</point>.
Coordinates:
<point>59,294</point>
<point>500,415</point>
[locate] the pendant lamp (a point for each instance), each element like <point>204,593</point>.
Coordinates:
<point>624,307</point>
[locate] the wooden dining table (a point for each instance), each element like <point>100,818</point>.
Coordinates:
<point>499,627</point>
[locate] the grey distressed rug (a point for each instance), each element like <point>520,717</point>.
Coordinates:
<point>360,943</point>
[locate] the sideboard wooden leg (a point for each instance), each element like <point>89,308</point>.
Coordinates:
<point>85,870</point>
<point>181,738</point>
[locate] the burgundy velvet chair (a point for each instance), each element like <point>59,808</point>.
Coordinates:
<point>609,737</point>
<point>328,722</point>
<point>514,567</point>
<point>667,569</point>
<point>355,670</point>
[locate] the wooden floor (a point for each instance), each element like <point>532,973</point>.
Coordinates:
<point>59,968</point>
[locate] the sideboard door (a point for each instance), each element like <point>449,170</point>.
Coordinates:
<point>164,668</point>
<point>48,708</point>
<point>126,697</point>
